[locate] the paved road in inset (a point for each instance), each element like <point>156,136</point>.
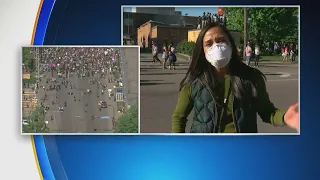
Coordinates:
<point>76,117</point>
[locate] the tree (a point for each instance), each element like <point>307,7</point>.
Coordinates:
<point>27,59</point>
<point>128,122</point>
<point>36,122</point>
<point>266,24</point>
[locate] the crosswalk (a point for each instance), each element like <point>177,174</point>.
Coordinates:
<point>119,97</point>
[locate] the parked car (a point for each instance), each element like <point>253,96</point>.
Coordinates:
<point>102,104</point>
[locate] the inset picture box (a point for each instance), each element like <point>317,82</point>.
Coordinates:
<point>80,89</point>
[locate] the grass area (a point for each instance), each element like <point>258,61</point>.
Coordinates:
<point>274,58</point>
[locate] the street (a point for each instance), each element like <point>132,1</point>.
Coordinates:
<point>81,89</point>
<point>76,117</point>
<point>77,87</point>
<point>159,93</point>
<point>131,74</point>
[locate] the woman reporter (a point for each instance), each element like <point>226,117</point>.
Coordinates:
<point>225,93</point>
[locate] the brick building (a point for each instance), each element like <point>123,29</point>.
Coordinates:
<point>145,32</point>
<point>158,31</point>
<point>193,35</point>
<point>132,21</point>
<point>173,34</point>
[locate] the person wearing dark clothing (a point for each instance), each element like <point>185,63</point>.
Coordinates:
<point>203,20</point>
<point>199,22</point>
<point>224,93</point>
<point>172,57</point>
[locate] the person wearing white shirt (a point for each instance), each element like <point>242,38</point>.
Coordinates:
<point>257,55</point>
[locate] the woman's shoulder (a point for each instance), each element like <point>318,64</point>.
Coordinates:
<point>251,75</point>
<point>191,85</point>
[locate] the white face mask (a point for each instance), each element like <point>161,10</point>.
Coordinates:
<point>219,55</point>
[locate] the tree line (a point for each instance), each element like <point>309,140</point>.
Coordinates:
<point>266,24</point>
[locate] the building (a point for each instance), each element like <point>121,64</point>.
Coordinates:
<point>155,30</point>
<point>158,31</point>
<point>132,21</point>
<point>174,34</point>
<point>194,33</point>
<point>178,13</point>
<point>155,10</point>
<point>29,102</point>
<point>145,32</point>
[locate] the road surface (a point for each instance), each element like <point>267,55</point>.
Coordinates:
<point>159,91</point>
<point>131,74</point>
<point>74,119</point>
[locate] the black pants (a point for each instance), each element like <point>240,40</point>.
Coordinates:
<point>293,58</point>
<point>172,60</point>
<point>256,62</point>
<point>155,58</point>
<point>172,63</point>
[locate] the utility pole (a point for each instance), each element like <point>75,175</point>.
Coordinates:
<point>38,62</point>
<point>245,30</point>
<point>129,24</point>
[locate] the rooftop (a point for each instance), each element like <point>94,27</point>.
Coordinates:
<point>170,26</point>
<point>152,22</point>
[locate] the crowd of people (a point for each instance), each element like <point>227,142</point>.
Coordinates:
<point>59,65</point>
<point>82,60</point>
<point>168,54</point>
<point>208,17</point>
<point>289,52</point>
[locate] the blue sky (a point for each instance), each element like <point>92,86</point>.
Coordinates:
<point>192,11</point>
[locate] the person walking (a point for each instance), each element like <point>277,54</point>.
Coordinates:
<point>143,41</point>
<point>172,57</point>
<point>248,53</point>
<point>285,53</point>
<point>155,52</point>
<point>293,53</point>
<point>204,20</point>
<point>224,93</point>
<point>165,54</point>
<point>257,55</point>
<point>199,22</point>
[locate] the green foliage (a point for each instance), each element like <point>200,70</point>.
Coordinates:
<point>235,18</point>
<point>27,59</point>
<point>128,122</point>
<point>36,122</point>
<point>185,47</point>
<point>266,24</point>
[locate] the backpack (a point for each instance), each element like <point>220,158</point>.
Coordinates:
<point>171,50</point>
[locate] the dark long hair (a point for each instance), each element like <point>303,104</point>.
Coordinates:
<point>201,70</point>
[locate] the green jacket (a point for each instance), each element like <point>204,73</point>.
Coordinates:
<point>240,116</point>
